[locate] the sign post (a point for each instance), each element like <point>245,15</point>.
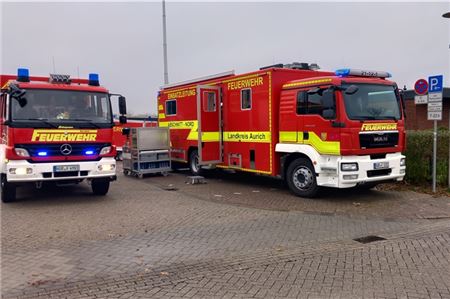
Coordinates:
<point>435,113</point>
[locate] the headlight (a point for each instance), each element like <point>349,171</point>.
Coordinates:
<point>21,152</point>
<point>403,162</point>
<point>105,150</point>
<point>349,166</point>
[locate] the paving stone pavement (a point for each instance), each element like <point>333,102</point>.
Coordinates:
<point>223,250</point>
<point>409,265</point>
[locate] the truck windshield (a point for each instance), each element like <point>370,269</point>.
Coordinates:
<point>62,106</point>
<point>372,101</point>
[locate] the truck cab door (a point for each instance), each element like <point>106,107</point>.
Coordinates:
<point>209,124</point>
<point>320,125</point>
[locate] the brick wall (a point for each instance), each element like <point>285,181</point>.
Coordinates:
<point>416,115</point>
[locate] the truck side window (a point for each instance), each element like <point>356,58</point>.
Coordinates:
<point>301,102</point>
<point>171,107</point>
<point>209,102</point>
<point>314,103</point>
<point>246,99</point>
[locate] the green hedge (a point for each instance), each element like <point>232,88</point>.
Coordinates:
<point>419,156</point>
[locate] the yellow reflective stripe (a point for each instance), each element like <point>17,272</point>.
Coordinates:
<point>321,146</point>
<point>210,137</point>
<point>181,124</point>
<point>318,81</point>
<point>263,137</point>
<point>288,136</point>
<point>161,115</point>
<point>244,169</point>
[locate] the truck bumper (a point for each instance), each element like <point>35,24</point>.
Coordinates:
<point>18,171</point>
<point>369,171</point>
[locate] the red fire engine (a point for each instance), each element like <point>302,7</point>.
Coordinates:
<point>55,129</point>
<point>312,128</point>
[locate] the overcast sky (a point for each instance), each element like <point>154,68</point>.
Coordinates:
<point>123,41</point>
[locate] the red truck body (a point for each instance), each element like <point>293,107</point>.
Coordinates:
<point>55,129</point>
<point>254,122</point>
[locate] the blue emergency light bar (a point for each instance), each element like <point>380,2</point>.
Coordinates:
<point>361,73</point>
<point>23,75</point>
<point>94,80</point>
<point>42,154</point>
<point>88,152</point>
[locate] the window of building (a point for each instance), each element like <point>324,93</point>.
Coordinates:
<point>246,99</point>
<point>171,107</point>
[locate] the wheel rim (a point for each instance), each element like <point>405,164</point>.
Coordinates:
<point>194,164</point>
<point>303,178</point>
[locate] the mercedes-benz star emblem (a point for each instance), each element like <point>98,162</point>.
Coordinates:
<point>66,149</point>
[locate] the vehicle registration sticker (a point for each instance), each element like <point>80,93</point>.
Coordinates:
<point>64,168</point>
<point>380,165</point>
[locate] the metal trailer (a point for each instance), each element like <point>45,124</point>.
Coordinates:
<point>147,151</point>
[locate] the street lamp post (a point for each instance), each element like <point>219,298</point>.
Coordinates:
<point>447,15</point>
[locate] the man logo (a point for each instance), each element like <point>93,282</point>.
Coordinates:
<point>66,149</point>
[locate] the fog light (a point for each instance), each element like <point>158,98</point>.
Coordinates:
<point>21,171</point>
<point>106,167</point>
<point>349,166</point>
<point>350,176</point>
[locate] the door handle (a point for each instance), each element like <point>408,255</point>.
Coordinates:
<point>305,135</point>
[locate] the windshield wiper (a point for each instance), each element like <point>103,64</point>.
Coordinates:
<point>364,118</point>
<point>44,120</point>
<point>87,120</point>
<point>389,117</point>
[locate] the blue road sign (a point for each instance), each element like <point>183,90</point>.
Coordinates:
<point>435,83</point>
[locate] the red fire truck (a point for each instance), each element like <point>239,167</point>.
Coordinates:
<point>312,128</point>
<point>55,129</point>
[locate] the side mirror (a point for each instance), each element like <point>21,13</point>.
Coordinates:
<point>123,119</point>
<point>328,114</point>
<point>328,99</point>
<point>126,131</point>
<point>122,105</point>
<point>352,89</point>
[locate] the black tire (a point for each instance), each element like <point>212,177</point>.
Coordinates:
<point>194,167</point>
<point>100,187</point>
<point>301,178</point>
<point>8,190</point>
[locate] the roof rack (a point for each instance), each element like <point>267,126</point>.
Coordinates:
<point>210,77</point>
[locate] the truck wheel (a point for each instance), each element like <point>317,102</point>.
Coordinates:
<point>100,187</point>
<point>194,165</point>
<point>301,178</point>
<point>8,190</point>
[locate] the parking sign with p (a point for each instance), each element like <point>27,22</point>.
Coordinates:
<point>435,83</point>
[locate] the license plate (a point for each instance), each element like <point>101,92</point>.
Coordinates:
<point>380,165</point>
<point>65,168</point>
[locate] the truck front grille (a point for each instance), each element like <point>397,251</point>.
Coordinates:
<point>378,140</point>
